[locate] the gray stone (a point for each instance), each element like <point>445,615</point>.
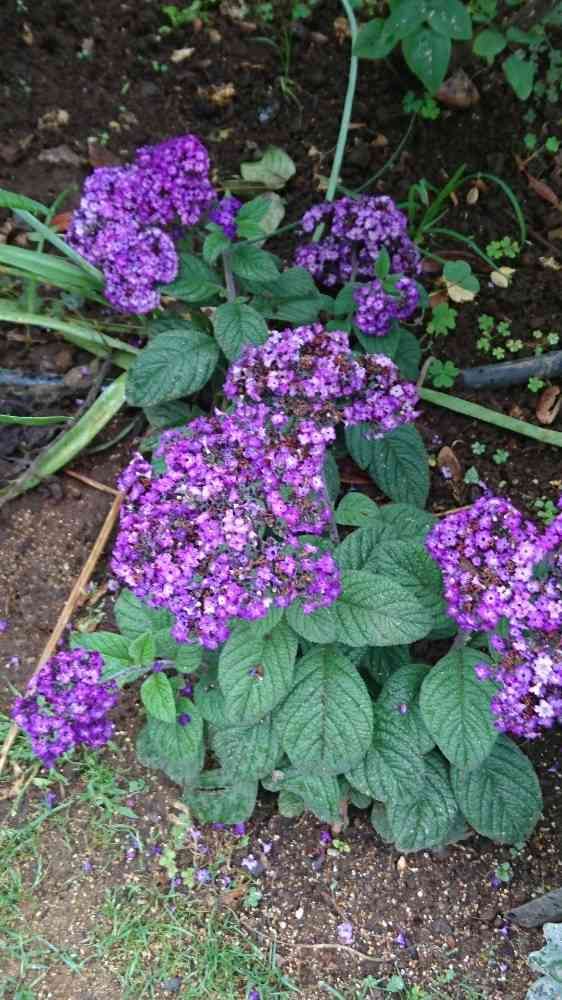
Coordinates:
<point>536,912</point>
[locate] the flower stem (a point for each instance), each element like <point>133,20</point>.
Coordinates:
<point>345,117</point>
<point>477,412</point>
<point>231,292</point>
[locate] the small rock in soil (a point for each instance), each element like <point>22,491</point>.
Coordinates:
<point>487,914</point>
<point>171,985</point>
<point>545,909</point>
<point>441,926</point>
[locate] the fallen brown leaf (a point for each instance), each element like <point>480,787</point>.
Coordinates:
<point>101,156</point>
<point>555,234</point>
<point>342,30</point>
<point>544,191</point>
<point>61,222</point>
<point>548,405</point>
<point>447,459</point>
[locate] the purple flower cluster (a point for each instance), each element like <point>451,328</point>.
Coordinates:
<point>357,230</point>
<point>66,705</point>
<point>489,556</point>
<point>313,375</point>
<point>118,225</point>
<point>224,215</point>
<point>377,308</point>
<point>218,535</point>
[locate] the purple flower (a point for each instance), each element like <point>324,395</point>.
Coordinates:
<point>239,829</point>
<point>402,940</point>
<point>252,864</point>
<point>254,995</point>
<point>13,661</point>
<point>224,215</point>
<point>345,932</point>
<point>184,719</point>
<point>495,882</point>
<point>49,800</point>
<point>325,837</point>
<point>66,705</point>
<point>4,625</point>
<point>203,876</point>
<point>356,230</point>
<point>87,866</point>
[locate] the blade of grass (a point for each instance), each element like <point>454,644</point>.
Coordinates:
<point>51,237</point>
<point>13,201</point>
<point>50,270</point>
<point>477,412</point>
<point>6,418</point>
<point>510,197</point>
<point>77,333</point>
<point>71,442</point>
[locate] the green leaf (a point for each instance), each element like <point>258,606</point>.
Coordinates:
<point>369,611</point>
<point>379,820</point>
<point>247,752</point>
<point>373,41</point>
<point>356,509</point>
<point>399,465</point>
<point>332,477</point>
<point>273,170</point>
<point>115,651</point>
<point>256,674</point>
<point>360,446</point>
<point>326,723</point>
<point>13,201</point>
<point>252,264</point>
<point>175,413</point>
<point>489,43</point>
<point>134,617</point>
<point>501,799</point>
<point>407,355</point>
<point>186,657</point>
<point>381,662</point>
<point>410,565</point>
<point>142,650</point>
<point>393,768</point>
<point>214,244</point>
<point>237,325</point>
<point>171,366</point>
<point>425,821</point>
<point>450,18</point>
<point>455,707</point>
<point>520,74</point>
<point>210,700</point>
<point>406,18</point>
<point>8,420</point>
<point>460,273</point>
<point>320,796</point>
<point>289,804</point>
<point>157,696</point>
<point>404,521</point>
<point>356,550</point>
<point>177,750</point>
<point>196,281</point>
<point>214,800</point>
<point>401,692</point>
<point>427,54</point>
<point>260,217</point>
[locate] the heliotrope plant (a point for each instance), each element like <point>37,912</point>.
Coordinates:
<point>275,629</point>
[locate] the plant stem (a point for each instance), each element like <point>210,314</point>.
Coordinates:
<point>229,278</point>
<point>477,412</point>
<point>345,117</point>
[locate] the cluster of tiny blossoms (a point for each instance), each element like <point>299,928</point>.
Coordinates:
<point>66,705</point>
<point>119,223</point>
<point>220,534</point>
<point>224,215</point>
<point>313,375</point>
<point>355,233</point>
<point>501,572</point>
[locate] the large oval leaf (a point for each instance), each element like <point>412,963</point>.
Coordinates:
<point>393,768</point>
<point>501,799</point>
<point>425,821</point>
<point>171,366</point>
<point>256,673</point>
<point>455,707</point>
<point>247,752</point>
<point>326,723</point>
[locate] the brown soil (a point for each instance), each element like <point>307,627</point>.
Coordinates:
<point>443,902</point>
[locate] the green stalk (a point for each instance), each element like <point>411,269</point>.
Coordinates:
<point>477,412</point>
<point>345,118</point>
<point>7,418</point>
<point>76,333</point>
<point>71,442</point>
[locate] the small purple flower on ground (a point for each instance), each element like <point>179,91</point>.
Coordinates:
<point>252,864</point>
<point>326,837</point>
<point>4,625</point>
<point>345,932</point>
<point>203,876</point>
<point>402,940</point>
<point>87,866</point>
<point>49,799</point>
<point>239,829</point>
<point>184,719</point>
